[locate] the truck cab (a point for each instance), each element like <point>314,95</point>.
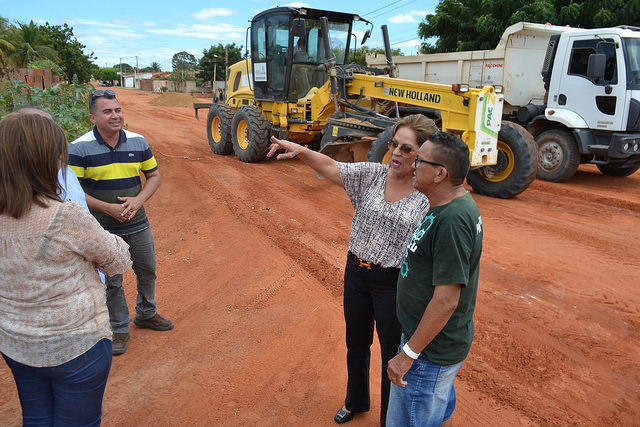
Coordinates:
<point>593,83</point>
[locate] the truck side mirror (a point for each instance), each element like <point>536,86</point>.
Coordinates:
<point>299,27</point>
<point>595,66</point>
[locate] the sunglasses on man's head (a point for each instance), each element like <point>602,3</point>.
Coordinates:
<point>98,93</point>
<point>405,149</point>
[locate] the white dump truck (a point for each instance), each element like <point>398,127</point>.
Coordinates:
<point>577,91</point>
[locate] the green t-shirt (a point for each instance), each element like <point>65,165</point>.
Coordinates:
<point>444,250</point>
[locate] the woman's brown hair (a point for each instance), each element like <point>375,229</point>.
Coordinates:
<point>421,125</point>
<point>32,149</point>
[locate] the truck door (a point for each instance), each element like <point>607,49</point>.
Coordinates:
<point>601,104</point>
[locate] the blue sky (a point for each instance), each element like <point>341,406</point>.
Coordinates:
<point>156,30</point>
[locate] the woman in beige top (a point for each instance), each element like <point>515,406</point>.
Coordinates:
<point>54,324</point>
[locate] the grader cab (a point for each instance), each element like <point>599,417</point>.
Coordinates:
<point>296,84</point>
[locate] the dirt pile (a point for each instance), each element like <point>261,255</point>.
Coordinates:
<point>174,99</point>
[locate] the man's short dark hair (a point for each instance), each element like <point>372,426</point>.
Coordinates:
<point>109,94</point>
<point>453,153</point>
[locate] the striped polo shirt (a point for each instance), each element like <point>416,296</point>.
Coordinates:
<point>106,173</point>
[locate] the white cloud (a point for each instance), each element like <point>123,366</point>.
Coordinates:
<point>410,18</point>
<point>403,18</point>
<point>214,12</point>
<point>298,4</point>
<point>81,21</point>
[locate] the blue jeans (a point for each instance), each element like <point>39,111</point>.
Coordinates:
<point>143,256</point>
<point>65,395</point>
<point>428,399</point>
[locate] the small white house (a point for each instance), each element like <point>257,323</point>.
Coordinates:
<point>128,79</point>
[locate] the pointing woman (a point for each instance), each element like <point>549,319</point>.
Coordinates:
<point>387,209</point>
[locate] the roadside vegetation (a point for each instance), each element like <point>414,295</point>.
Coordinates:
<point>67,103</point>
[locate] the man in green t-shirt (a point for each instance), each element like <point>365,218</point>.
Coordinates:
<point>437,289</point>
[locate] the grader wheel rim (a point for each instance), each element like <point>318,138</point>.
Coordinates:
<point>504,168</point>
<point>243,135</point>
<point>216,132</point>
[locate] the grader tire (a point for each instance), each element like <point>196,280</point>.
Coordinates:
<point>250,134</point>
<point>379,152</point>
<point>618,170</point>
<point>558,155</point>
<point>219,128</point>
<point>516,167</point>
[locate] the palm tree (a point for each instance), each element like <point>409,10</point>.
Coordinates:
<point>155,67</point>
<point>30,44</point>
<point>5,45</point>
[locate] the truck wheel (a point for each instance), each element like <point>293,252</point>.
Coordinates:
<point>250,134</point>
<point>219,128</point>
<point>516,167</point>
<point>558,155</point>
<point>379,152</point>
<point>618,170</point>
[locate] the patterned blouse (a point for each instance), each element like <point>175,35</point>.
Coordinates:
<point>52,302</point>
<point>380,230</point>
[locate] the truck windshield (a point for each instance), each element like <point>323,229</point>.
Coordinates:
<point>632,62</point>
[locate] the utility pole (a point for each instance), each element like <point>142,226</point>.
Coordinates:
<point>121,84</point>
<point>135,75</point>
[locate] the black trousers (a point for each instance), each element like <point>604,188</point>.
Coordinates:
<point>369,297</point>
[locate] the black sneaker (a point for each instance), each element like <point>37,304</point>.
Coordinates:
<point>119,342</point>
<point>157,323</point>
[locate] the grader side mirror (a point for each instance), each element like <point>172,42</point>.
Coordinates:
<point>366,36</point>
<point>299,27</point>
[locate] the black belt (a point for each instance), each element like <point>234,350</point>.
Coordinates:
<point>366,264</point>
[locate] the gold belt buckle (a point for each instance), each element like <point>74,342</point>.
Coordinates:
<point>365,264</point>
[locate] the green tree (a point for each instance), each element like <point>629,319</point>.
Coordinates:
<point>460,25</point>
<point>30,44</point>
<point>182,63</point>
<point>73,60</point>
<point>6,47</point>
<point>153,68</point>
<point>126,68</point>
<point>109,74</point>
<point>217,54</point>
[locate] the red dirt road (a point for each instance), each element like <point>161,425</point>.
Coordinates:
<point>250,260</point>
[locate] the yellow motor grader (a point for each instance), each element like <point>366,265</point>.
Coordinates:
<point>296,84</point>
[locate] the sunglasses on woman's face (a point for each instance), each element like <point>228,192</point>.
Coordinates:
<point>405,149</point>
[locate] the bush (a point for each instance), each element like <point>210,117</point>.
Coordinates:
<point>67,103</point>
<point>47,63</point>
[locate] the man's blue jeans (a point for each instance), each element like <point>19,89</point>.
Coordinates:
<point>143,256</point>
<point>65,395</point>
<point>428,399</point>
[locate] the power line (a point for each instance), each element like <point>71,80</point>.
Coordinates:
<point>391,10</point>
<point>383,7</point>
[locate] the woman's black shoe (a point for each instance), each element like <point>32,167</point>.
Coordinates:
<point>343,416</point>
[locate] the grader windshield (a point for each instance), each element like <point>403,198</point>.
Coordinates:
<point>287,47</point>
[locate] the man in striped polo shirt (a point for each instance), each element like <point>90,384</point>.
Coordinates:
<point>108,161</point>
